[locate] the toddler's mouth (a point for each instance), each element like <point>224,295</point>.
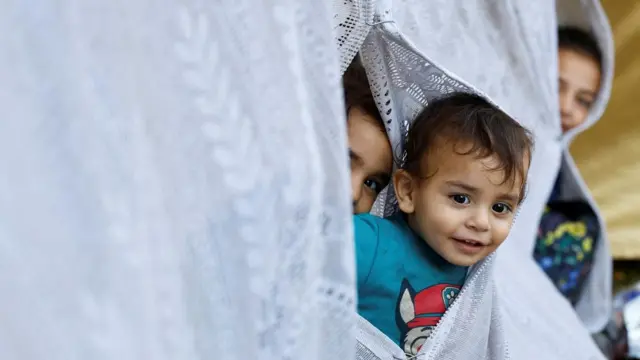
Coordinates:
<point>469,246</point>
<point>469,241</point>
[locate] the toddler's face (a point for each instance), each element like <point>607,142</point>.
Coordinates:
<point>579,83</point>
<point>371,159</point>
<point>465,210</point>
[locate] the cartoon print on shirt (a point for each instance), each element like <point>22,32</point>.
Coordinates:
<point>418,314</point>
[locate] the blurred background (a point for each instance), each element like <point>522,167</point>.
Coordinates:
<point>608,153</point>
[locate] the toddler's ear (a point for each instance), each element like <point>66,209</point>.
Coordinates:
<point>404,186</point>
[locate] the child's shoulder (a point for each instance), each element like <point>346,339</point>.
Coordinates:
<point>368,223</point>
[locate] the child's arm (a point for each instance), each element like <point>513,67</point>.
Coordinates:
<point>365,229</point>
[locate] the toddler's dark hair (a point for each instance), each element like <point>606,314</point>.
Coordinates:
<point>470,119</point>
<point>576,39</point>
<point>357,92</point>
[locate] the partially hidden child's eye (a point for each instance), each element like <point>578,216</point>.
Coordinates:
<point>501,208</point>
<point>460,199</point>
<point>373,185</point>
<point>585,103</point>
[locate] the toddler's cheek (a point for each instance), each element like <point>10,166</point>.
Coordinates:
<point>500,236</point>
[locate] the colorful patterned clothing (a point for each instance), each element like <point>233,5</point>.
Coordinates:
<point>565,245</point>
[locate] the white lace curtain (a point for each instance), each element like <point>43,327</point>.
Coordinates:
<point>174,179</point>
<point>174,176</point>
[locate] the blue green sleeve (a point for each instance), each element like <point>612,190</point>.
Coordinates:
<point>365,228</point>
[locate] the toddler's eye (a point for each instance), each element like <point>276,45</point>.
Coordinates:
<point>460,199</point>
<point>373,185</point>
<point>501,208</point>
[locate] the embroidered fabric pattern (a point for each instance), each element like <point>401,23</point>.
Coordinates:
<point>175,180</point>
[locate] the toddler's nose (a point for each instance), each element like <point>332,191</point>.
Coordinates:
<point>479,221</point>
<point>356,189</point>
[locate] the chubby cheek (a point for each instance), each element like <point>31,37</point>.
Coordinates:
<point>579,116</point>
<point>363,204</point>
<point>500,231</point>
<point>443,219</point>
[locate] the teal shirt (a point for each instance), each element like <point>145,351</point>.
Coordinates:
<point>404,286</point>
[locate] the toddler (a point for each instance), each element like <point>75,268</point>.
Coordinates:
<point>462,180</point>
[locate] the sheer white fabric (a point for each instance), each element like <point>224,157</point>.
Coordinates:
<point>509,51</point>
<point>174,180</point>
<point>351,22</point>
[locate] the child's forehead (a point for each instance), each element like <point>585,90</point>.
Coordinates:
<point>449,164</point>
<point>450,160</point>
<point>575,54</point>
<point>570,57</point>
